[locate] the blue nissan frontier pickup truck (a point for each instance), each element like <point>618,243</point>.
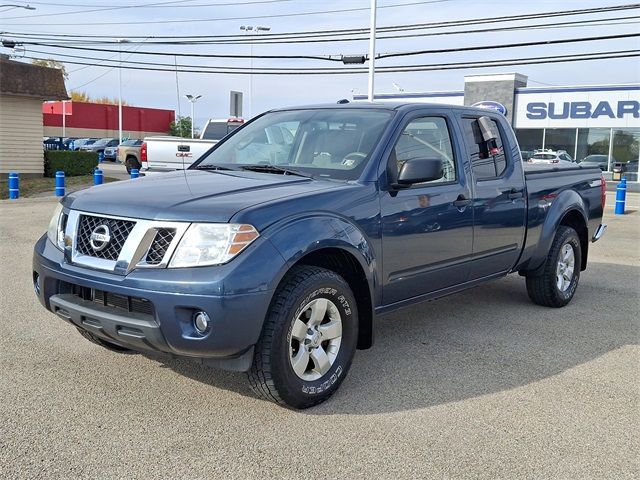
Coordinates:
<point>276,250</point>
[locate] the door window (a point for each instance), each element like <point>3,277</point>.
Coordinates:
<point>487,161</point>
<point>426,137</point>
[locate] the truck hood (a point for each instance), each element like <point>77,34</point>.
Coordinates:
<point>191,195</point>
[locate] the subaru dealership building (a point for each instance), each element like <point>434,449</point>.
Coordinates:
<point>582,120</point>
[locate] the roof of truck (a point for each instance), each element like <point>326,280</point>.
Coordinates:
<point>386,106</point>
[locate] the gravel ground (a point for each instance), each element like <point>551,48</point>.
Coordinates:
<point>482,384</point>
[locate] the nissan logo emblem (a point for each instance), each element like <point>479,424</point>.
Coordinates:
<point>100,238</point>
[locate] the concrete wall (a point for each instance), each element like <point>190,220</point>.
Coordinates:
<point>497,88</point>
<point>21,133</point>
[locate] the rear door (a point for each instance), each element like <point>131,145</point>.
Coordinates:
<point>427,229</point>
<point>498,198</point>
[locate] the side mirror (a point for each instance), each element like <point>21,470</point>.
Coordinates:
<point>418,170</point>
<point>487,129</point>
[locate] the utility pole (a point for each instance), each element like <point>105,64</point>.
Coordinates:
<point>372,49</point>
<point>120,42</point>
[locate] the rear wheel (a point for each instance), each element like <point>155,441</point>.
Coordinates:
<point>130,163</point>
<point>557,283</point>
<point>308,340</point>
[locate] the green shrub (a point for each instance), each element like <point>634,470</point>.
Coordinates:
<point>71,163</point>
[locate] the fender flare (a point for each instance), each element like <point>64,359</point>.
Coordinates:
<point>302,235</point>
<point>564,203</point>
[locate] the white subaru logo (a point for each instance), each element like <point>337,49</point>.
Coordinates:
<point>100,238</point>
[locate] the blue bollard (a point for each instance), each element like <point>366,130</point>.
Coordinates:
<point>97,177</point>
<point>14,186</point>
<point>621,193</point>
<point>100,157</point>
<point>134,173</point>
<point>59,184</point>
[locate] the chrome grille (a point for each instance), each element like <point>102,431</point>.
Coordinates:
<point>160,245</point>
<point>119,231</point>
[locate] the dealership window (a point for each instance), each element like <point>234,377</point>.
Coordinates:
<point>626,146</point>
<point>529,139</point>
<point>561,139</point>
<point>593,141</point>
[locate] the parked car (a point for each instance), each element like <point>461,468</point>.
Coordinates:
<point>99,145</point>
<point>166,154</point>
<point>597,160</point>
<point>550,156</point>
<point>163,153</point>
<point>81,142</point>
<point>279,267</point>
<point>220,128</point>
<point>129,154</point>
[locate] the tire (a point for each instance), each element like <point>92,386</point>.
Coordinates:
<point>131,162</point>
<point>103,343</point>
<point>547,288</point>
<point>301,297</point>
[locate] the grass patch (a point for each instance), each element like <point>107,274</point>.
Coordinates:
<point>33,186</point>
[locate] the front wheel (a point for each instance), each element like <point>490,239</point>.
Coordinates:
<point>308,340</point>
<point>557,283</point>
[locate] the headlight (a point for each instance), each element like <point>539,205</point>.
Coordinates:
<point>55,232</point>
<point>212,244</point>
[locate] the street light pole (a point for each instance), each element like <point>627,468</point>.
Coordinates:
<point>192,99</point>
<point>120,42</point>
<point>372,49</point>
<point>248,29</point>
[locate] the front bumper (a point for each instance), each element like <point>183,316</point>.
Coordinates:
<point>170,298</point>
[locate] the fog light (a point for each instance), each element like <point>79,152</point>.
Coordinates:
<point>36,283</point>
<point>201,322</point>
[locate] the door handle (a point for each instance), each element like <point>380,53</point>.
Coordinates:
<point>513,194</point>
<point>461,201</point>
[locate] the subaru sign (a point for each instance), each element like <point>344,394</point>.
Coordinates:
<point>578,107</point>
<point>580,110</point>
<point>491,105</point>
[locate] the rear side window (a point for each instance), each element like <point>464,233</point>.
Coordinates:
<point>486,161</point>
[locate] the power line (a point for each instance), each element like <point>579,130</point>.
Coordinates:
<point>200,5</point>
<point>171,4</point>
<point>389,69</point>
<point>244,70</point>
<point>510,45</point>
<point>576,23</point>
<point>342,32</point>
<point>338,58</point>
<point>255,17</point>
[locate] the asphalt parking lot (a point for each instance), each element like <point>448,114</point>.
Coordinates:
<point>483,384</point>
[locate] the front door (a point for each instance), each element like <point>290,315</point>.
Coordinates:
<point>427,230</point>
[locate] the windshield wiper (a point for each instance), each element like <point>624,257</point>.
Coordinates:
<point>211,167</point>
<point>273,169</point>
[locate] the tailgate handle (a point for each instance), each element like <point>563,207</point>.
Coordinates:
<point>513,194</point>
<point>461,202</point>
<point>184,148</point>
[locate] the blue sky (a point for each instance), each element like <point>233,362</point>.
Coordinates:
<point>158,89</point>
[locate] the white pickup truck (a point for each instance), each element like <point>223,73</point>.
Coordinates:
<point>165,153</point>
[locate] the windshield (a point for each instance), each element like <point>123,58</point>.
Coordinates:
<point>102,141</point>
<point>328,143</point>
